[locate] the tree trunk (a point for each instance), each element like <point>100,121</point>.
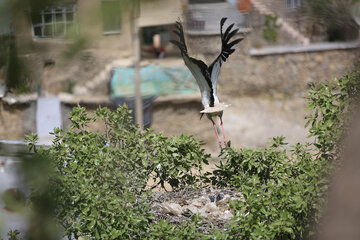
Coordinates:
<point>136,46</point>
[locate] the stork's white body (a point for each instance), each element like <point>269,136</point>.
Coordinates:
<point>219,107</point>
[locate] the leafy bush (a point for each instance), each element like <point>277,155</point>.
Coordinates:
<point>188,230</point>
<point>330,103</point>
<point>99,180</point>
<point>284,187</point>
<point>282,190</point>
<point>178,161</point>
<point>235,165</point>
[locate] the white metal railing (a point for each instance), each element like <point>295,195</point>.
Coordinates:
<point>313,47</point>
<point>204,19</point>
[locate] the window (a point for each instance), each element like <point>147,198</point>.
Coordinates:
<point>54,22</point>
<point>292,3</point>
<point>149,32</point>
<point>154,40</point>
<point>111,14</point>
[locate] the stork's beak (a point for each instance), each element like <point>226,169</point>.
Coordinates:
<point>201,115</point>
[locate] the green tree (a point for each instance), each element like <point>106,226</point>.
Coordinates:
<point>335,15</point>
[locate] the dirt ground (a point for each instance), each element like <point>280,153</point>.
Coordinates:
<point>249,122</point>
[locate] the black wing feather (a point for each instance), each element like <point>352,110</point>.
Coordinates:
<point>226,31</point>
<point>230,45</point>
<point>231,34</point>
<point>226,47</point>
<point>201,65</point>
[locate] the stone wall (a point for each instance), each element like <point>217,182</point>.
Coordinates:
<point>18,120</point>
<point>11,121</point>
<point>289,73</point>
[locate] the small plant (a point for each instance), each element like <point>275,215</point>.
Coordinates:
<point>13,235</point>
<point>258,45</point>
<point>270,31</point>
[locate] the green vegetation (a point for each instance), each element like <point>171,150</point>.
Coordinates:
<point>329,103</point>
<point>13,235</point>
<point>283,188</point>
<point>335,16</point>
<point>99,182</point>
<point>12,67</point>
<point>100,179</point>
<point>270,32</point>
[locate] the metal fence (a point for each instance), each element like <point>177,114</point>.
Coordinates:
<point>204,19</point>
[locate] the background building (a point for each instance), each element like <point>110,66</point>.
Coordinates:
<point>69,50</point>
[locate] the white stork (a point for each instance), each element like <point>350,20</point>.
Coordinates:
<point>207,77</point>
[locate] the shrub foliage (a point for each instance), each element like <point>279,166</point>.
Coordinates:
<point>100,179</point>
<point>282,187</point>
<point>100,182</point>
<point>330,103</point>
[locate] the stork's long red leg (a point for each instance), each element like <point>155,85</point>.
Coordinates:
<point>222,127</point>
<point>217,135</point>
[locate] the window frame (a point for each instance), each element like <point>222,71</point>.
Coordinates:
<point>205,1</point>
<point>292,4</point>
<point>53,11</point>
<point>111,32</point>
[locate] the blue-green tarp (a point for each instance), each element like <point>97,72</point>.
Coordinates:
<point>155,81</point>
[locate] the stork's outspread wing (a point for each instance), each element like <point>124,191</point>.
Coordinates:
<point>226,51</point>
<point>197,67</point>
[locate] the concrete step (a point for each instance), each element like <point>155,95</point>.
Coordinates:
<point>48,116</point>
<point>283,24</point>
